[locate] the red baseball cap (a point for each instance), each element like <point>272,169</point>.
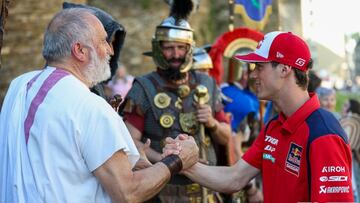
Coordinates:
<point>281,47</point>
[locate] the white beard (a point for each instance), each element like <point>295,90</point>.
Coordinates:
<point>97,70</point>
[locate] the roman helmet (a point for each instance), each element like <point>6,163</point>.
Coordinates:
<point>175,28</point>
<point>202,60</point>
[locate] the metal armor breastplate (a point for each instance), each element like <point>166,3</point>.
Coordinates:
<point>172,112</point>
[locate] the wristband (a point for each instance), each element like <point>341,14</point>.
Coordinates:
<point>174,163</point>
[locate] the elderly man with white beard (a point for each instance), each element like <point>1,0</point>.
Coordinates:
<point>61,143</point>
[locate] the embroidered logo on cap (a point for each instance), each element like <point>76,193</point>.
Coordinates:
<point>259,45</point>
<point>279,55</point>
<point>300,62</point>
<point>292,163</point>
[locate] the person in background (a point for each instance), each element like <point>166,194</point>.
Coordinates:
<point>243,107</point>
<point>327,98</point>
<point>350,121</point>
<point>174,99</point>
<point>121,82</point>
<point>314,81</point>
<point>297,151</point>
<point>202,60</point>
<point>352,106</point>
<point>62,143</point>
<point>238,104</point>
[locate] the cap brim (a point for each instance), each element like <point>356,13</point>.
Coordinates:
<point>251,58</point>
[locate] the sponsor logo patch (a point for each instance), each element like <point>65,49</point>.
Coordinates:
<point>333,178</point>
<point>259,45</point>
<point>292,163</point>
<point>272,140</point>
<point>300,62</point>
<point>332,169</point>
<point>334,189</point>
<point>269,148</point>
<point>268,157</point>
<point>279,55</point>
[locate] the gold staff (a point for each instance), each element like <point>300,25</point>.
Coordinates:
<point>202,97</point>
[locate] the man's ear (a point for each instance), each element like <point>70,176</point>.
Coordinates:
<point>285,70</point>
<point>79,51</point>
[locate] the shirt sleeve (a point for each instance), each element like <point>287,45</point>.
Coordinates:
<point>330,165</point>
<point>104,134</point>
<point>254,154</point>
<point>221,117</point>
<point>136,120</point>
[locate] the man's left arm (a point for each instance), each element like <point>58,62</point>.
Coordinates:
<point>330,165</point>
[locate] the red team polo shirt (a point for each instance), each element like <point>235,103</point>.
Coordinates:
<point>303,158</point>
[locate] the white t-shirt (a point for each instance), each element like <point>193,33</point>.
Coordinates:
<point>73,133</point>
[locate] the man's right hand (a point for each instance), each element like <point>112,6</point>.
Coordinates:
<point>184,146</point>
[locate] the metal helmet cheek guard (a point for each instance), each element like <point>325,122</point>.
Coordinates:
<point>175,28</point>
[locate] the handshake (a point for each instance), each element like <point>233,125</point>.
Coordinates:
<point>183,150</point>
<point>178,154</point>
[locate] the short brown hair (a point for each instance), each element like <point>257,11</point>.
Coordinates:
<point>302,77</point>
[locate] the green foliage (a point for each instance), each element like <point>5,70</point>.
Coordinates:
<point>145,4</point>
<point>355,36</point>
<point>342,97</point>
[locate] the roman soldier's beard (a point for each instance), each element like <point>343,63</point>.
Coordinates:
<point>171,74</point>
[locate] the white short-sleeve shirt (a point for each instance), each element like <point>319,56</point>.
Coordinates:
<point>73,133</point>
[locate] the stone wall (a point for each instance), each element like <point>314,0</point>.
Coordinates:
<point>23,37</point>
<point>28,18</point>
<point>140,19</point>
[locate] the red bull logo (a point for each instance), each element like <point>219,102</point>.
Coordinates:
<point>296,152</point>
<point>293,160</point>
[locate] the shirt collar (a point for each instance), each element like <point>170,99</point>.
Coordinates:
<point>292,123</point>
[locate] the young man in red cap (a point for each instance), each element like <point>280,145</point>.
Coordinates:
<point>303,153</point>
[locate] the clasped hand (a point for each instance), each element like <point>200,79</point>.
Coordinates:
<point>184,146</point>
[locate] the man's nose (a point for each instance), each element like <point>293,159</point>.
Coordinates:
<point>110,49</point>
<point>175,52</point>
